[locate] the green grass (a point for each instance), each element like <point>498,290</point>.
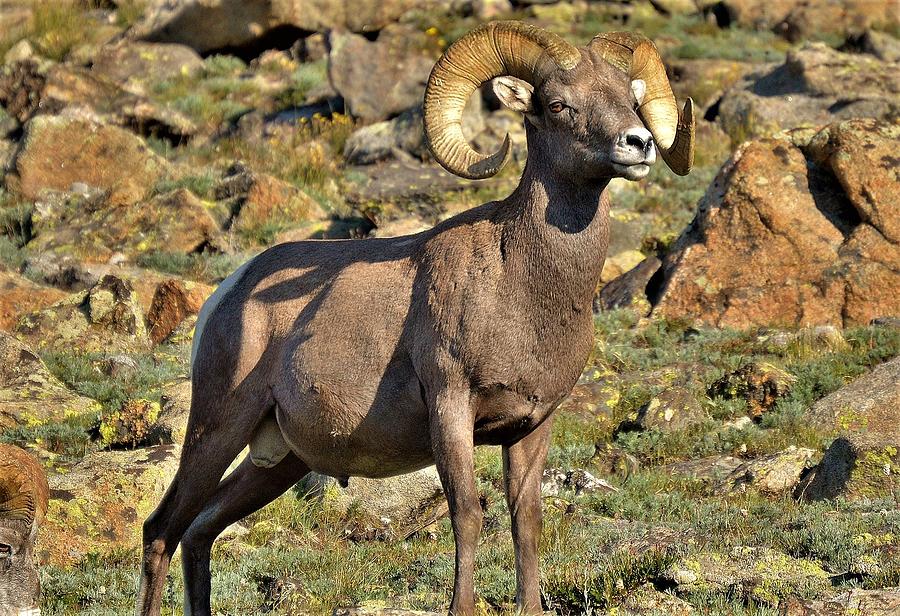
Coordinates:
<point>210,268</point>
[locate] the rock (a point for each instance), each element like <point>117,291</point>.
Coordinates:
<point>100,503</point>
<point>555,480</point>
<point>647,601</point>
<point>58,151</point>
<point>250,27</point>
<point>870,404</point>
<point>879,44</point>
<point>129,426</point>
<point>18,295</point>
<point>486,10</point>
<point>816,85</point>
<point>593,401</point>
<point>617,264</point>
<point>258,199</point>
<point>379,79</point>
<point>797,19</point>
<point>675,408</point>
<point>95,230</point>
<point>755,573</point>
<point>704,79</point>
<point>824,261</point>
<point>135,64</point>
<point>394,502</point>
<point>709,470</point>
<point>628,290</point>
<point>760,383</point>
<point>171,424</point>
<point>105,318</point>
<point>772,475</point>
<point>849,602</point>
<point>856,466</point>
<point>29,394</point>
<point>173,301</point>
<point>20,88</point>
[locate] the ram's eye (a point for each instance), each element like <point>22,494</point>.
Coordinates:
<point>556,106</point>
<point>5,550</point>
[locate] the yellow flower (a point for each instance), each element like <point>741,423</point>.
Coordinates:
<point>432,31</point>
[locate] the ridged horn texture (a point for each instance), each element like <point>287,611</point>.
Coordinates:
<point>673,131</point>
<point>492,50</point>
<point>24,492</point>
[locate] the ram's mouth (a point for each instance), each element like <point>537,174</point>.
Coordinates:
<point>636,171</point>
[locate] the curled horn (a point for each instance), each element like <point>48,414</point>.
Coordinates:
<point>672,131</point>
<point>24,493</point>
<point>492,50</point>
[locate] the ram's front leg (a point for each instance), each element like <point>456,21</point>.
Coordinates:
<point>452,439</point>
<point>523,466</point>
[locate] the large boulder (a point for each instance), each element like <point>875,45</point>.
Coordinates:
<point>863,462</point>
<point>99,504</point>
<point>19,295</point>
<point>791,233</point>
<point>250,26</point>
<point>173,302</point>
<point>58,151</point>
<point>772,475</point>
<point>379,79</point>
<point>104,318</point>
<point>96,229</point>
<point>29,394</point>
<point>135,65</point>
<point>815,85</point>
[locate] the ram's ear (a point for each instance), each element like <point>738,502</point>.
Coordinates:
<point>639,89</point>
<point>514,93</point>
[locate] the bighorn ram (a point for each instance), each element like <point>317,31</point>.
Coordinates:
<point>380,356</point>
<point>23,504</point>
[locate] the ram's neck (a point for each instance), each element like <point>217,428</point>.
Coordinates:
<point>555,233</point>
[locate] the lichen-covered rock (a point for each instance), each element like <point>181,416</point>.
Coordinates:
<point>106,317</point>
<point>856,466</point>
<point>99,504</point>
<point>772,475</point>
<point>646,600</point>
<point>58,151</point>
<point>675,408</point>
<point>595,401</point>
<point>257,199</point>
<point>171,425</point>
<point>29,394</point>
<point>870,405</point>
<point>18,296</point>
<point>378,611</point>
<point>129,426</point>
<point>173,302</point>
<point>759,574</point>
<point>849,602</point>
<point>136,65</point>
<point>759,383</point>
<point>613,460</point>
<point>815,86</point>
<point>394,502</point>
<point>780,239</point>
<point>379,79</point>
<point>97,230</point>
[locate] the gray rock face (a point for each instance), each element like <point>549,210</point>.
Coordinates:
<point>133,64</point>
<point>379,79</point>
<point>816,85</point>
<point>674,409</point>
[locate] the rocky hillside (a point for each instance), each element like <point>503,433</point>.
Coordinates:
<point>732,446</point>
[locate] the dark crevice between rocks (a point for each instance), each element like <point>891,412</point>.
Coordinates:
<point>831,200</point>
<point>723,15</point>
<point>156,129</point>
<point>712,112</point>
<point>281,37</point>
<point>656,285</point>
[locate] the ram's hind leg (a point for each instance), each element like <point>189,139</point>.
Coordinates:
<point>244,491</point>
<point>218,429</point>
